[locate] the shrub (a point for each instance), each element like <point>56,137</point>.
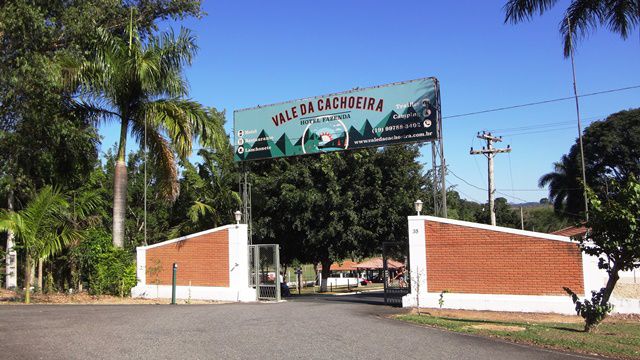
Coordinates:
<point>109,270</point>
<point>592,311</point>
<point>114,273</point>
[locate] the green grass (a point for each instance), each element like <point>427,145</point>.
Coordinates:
<point>612,338</point>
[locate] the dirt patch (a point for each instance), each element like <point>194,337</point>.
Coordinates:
<point>518,316</point>
<point>11,297</point>
<point>494,327</point>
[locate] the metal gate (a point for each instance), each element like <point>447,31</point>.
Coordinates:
<point>395,260</point>
<point>264,272</point>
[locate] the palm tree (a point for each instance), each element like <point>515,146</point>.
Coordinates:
<point>139,83</point>
<point>581,17</point>
<point>565,188</point>
<point>40,229</point>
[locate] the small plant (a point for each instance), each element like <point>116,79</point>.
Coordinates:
<point>441,299</point>
<point>154,271</point>
<point>49,285</point>
<point>592,311</point>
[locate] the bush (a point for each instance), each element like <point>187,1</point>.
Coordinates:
<point>592,311</point>
<point>109,270</point>
<point>114,273</point>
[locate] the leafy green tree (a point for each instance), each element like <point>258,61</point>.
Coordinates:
<point>461,209</point>
<point>208,196</point>
<point>565,189</point>
<point>44,140</point>
<point>543,219</point>
<point>505,214</point>
<point>611,153</point>
<point>581,17</point>
<point>41,229</point>
<point>614,236</point>
<point>336,206</point>
<point>140,84</point>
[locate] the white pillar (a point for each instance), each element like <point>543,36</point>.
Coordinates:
<point>11,256</point>
<point>417,261</point>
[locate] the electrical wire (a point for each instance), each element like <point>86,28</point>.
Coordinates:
<point>541,102</point>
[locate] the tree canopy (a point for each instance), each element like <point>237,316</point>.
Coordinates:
<point>611,148</point>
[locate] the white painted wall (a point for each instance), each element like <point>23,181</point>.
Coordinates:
<point>342,281</point>
<point>238,289</point>
<point>594,279</point>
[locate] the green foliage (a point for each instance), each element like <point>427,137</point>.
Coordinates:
<point>610,148</point>
<point>114,273</point>
<point>543,218</point>
<point>336,206</point>
<point>616,339</point>
<point>49,285</point>
<point>41,229</point>
<point>139,83</point>
<point>109,270</point>
<point>441,298</point>
<point>614,227</point>
<point>97,241</point>
<point>613,235</point>
<point>592,311</point>
<point>44,140</point>
<point>207,196</point>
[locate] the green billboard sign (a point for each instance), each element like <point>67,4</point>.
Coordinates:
<point>402,112</point>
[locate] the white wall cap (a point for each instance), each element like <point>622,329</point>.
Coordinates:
<point>494,228</point>
<point>168,242</point>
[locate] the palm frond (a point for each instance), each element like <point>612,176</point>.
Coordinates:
<point>520,10</point>
<point>581,17</point>
<point>161,154</point>
<point>621,16</point>
<point>198,210</point>
<point>182,120</point>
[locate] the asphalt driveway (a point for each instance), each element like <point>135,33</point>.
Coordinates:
<point>341,327</point>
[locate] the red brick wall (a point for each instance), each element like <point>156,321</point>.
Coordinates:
<point>203,260</point>
<point>464,259</point>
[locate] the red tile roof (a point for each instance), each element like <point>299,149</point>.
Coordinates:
<point>346,265</point>
<point>376,263</point>
<point>370,264</point>
<point>571,231</point>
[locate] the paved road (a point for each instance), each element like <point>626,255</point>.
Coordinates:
<point>343,327</point>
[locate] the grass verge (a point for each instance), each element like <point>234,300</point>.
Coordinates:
<point>616,338</point>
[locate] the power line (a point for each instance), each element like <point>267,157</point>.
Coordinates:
<point>479,188</point>
<point>528,127</point>
<point>541,102</point>
<point>543,131</point>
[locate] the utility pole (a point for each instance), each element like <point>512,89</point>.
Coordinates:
<point>521,218</point>
<point>490,152</point>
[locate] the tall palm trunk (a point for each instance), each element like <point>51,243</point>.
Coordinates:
<point>120,187</point>
<point>40,264</point>
<point>27,278</point>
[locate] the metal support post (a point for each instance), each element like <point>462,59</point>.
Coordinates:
<point>173,284</point>
<point>434,170</point>
<point>277,261</point>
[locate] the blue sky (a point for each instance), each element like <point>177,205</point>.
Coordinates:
<point>262,52</point>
